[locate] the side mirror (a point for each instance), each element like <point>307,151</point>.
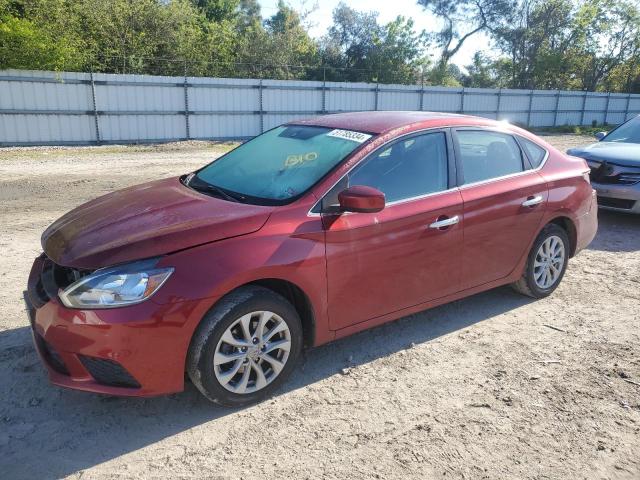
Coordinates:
<point>362,199</point>
<point>600,135</point>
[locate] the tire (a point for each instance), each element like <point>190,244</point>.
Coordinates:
<point>239,313</point>
<point>530,283</point>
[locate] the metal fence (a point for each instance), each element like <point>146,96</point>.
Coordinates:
<point>48,108</point>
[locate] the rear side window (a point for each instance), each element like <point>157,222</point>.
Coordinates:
<point>408,168</point>
<point>535,152</point>
<point>485,154</point>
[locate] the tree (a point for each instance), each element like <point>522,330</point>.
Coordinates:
<point>348,44</point>
<point>545,44</point>
<point>31,40</point>
<point>218,10</point>
<point>482,73</point>
<point>560,44</point>
<point>462,19</point>
<point>249,17</point>
<point>200,46</point>
<point>128,36</point>
<point>358,48</point>
<point>399,53</point>
<point>448,76</point>
<point>612,41</point>
<point>23,44</point>
<point>535,39</point>
<point>282,47</point>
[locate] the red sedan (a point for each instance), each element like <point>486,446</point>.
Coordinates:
<point>312,231</point>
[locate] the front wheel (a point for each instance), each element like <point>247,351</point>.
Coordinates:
<point>546,263</point>
<point>245,347</point>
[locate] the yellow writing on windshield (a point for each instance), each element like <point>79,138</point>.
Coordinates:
<point>299,159</point>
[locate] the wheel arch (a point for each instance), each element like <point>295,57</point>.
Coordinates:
<point>567,224</point>
<point>293,294</point>
<point>300,301</point>
<point>561,219</point>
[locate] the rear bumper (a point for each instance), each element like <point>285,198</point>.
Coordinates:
<point>587,225</point>
<point>619,198</point>
<point>132,351</point>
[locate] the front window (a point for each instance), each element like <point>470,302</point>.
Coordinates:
<point>280,164</point>
<point>626,133</point>
<point>409,168</point>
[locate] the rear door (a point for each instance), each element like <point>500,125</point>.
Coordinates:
<point>378,263</point>
<point>504,200</point>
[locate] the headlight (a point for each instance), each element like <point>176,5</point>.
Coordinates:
<point>116,286</point>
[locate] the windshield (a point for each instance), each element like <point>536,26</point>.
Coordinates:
<point>626,133</point>
<point>280,164</point>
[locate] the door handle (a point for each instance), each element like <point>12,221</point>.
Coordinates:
<point>445,222</point>
<point>532,201</point>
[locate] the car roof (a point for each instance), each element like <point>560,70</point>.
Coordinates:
<point>377,122</point>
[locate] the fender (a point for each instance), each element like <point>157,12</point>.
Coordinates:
<point>273,252</point>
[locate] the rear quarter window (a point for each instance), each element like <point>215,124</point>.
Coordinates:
<point>534,151</point>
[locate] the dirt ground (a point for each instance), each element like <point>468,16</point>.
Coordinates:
<point>482,388</point>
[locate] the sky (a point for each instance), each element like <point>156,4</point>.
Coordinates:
<point>388,10</point>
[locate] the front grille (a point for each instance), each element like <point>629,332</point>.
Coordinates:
<point>51,356</point>
<point>616,203</point>
<point>614,174</point>
<point>107,372</point>
<point>629,178</point>
<point>52,277</point>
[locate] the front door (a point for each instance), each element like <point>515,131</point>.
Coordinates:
<point>378,263</point>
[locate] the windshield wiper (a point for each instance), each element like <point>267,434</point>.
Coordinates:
<point>202,186</point>
<point>229,196</point>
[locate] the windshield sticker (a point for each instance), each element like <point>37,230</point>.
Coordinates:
<point>357,137</point>
<point>295,160</point>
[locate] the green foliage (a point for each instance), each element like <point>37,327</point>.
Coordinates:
<point>542,44</point>
<point>399,53</point>
<point>482,73</point>
<point>29,43</point>
<point>279,47</point>
<point>462,20</point>
<point>446,75</point>
<point>218,10</point>
<point>24,45</point>
<point>563,44</point>
<point>357,48</point>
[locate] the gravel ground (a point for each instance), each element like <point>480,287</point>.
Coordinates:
<point>480,388</point>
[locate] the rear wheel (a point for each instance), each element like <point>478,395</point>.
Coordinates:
<point>245,347</point>
<point>546,263</point>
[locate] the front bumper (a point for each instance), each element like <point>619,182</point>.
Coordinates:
<point>133,351</point>
<point>619,198</point>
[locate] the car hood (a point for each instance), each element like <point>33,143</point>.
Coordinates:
<point>144,221</point>
<point>623,154</point>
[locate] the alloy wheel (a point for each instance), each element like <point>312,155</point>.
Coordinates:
<point>549,262</point>
<point>252,352</point>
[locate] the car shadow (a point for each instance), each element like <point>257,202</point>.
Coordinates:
<point>617,232</point>
<point>73,431</point>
